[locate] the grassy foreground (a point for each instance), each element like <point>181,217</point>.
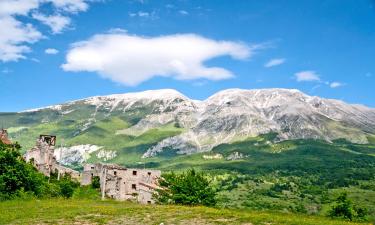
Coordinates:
<point>60,211</point>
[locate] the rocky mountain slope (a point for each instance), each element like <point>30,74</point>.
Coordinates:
<point>165,120</point>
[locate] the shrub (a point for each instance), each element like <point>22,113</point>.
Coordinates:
<point>188,188</point>
<point>344,208</point>
<point>19,179</point>
<point>17,175</point>
<point>95,182</point>
<point>67,186</point>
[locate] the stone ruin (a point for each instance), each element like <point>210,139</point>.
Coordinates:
<point>43,159</point>
<point>123,183</point>
<point>116,182</point>
<point>4,137</point>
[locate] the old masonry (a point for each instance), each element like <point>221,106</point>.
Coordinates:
<point>116,182</point>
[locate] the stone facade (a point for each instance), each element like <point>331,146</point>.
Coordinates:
<point>123,183</point>
<point>4,137</point>
<point>43,159</point>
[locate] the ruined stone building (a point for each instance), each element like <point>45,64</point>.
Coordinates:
<point>4,137</point>
<point>123,183</point>
<point>115,181</point>
<point>43,159</point>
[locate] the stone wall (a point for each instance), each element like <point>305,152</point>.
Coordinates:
<point>123,183</point>
<point>42,157</point>
<point>4,137</point>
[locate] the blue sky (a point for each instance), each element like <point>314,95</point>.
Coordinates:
<point>69,49</point>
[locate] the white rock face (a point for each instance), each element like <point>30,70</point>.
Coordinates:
<point>106,155</point>
<point>75,154</point>
<point>235,156</point>
<point>234,114</point>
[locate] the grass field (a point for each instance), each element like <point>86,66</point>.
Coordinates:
<point>60,211</point>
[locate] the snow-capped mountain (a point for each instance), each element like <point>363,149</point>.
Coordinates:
<point>227,116</point>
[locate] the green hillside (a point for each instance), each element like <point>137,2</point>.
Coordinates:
<point>58,211</point>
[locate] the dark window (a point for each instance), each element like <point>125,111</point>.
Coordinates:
<point>115,173</point>
<point>92,167</point>
<point>149,173</point>
<point>134,186</point>
<point>134,172</point>
<point>148,202</point>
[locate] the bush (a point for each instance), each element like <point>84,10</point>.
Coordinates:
<point>19,179</point>
<point>344,208</point>
<point>16,175</point>
<point>67,186</point>
<point>189,188</point>
<point>95,182</point>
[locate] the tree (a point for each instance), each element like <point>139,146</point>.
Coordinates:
<point>16,175</point>
<point>344,208</point>
<point>20,178</point>
<point>188,188</point>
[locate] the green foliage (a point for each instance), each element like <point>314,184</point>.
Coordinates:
<point>20,180</point>
<point>95,182</point>
<point>67,186</point>
<point>86,192</point>
<point>344,208</point>
<point>188,188</point>
<point>16,176</point>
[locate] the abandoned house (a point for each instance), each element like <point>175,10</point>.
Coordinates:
<point>123,183</point>
<point>43,159</point>
<point>4,137</point>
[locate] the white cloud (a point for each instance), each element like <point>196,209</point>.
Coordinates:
<point>16,35</point>
<point>72,6</point>
<point>307,75</point>
<point>57,23</point>
<point>274,62</point>
<point>51,51</point>
<point>143,14</point>
<point>17,7</point>
<point>335,84</point>
<point>130,60</point>
<point>183,12</point>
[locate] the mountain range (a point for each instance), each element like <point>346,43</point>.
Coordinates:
<point>147,124</point>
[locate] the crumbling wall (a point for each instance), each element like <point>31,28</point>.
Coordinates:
<point>43,159</point>
<point>123,183</point>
